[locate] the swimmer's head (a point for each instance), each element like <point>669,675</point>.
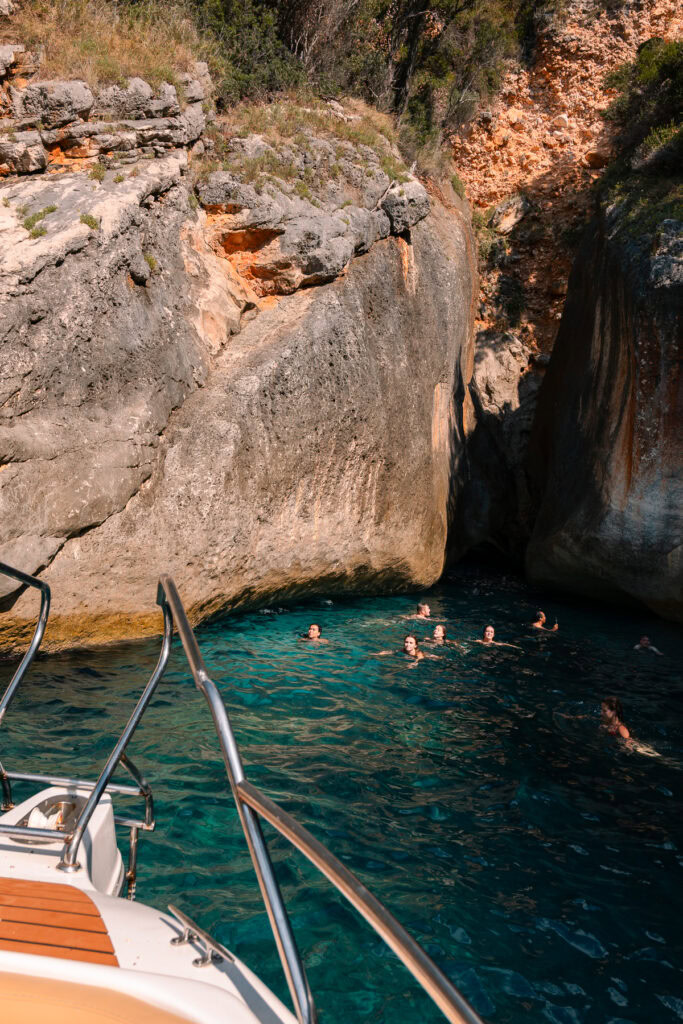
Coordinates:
<point>439,633</point>
<point>489,633</point>
<point>410,644</point>
<point>611,709</point>
<point>540,617</point>
<point>424,609</point>
<point>644,641</point>
<point>314,631</point>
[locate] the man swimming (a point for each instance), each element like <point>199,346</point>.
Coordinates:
<point>488,639</point>
<point>645,645</point>
<point>423,612</point>
<point>540,623</point>
<point>314,634</point>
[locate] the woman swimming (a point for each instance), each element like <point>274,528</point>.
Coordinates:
<point>314,634</point>
<point>410,647</point>
<point>487,638</point>
<point>613,717</point>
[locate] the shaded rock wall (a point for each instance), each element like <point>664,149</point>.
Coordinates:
<point>493,507</point>
<point>605,455</point>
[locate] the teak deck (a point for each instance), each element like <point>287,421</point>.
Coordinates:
<point>52,919</point>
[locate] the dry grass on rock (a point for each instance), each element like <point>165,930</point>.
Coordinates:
<point>104,42</point>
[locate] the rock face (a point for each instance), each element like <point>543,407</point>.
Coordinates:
<point>63,124</point>
<point>493,506</point>
<point>260,396</point>
<point>605,456</point>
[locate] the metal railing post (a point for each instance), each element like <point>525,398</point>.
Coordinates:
<point>69,860</point>
<point>272,897</point>
<point>25,663</point>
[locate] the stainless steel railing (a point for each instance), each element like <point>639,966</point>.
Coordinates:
<point>25,663</point>
<point>118,756</point>
<point>252,806</point>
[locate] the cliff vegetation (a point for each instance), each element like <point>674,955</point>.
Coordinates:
<point>431,63</point>
<point>644,185</point>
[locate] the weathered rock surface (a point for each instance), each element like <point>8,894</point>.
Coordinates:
<point>59,124</point>
<point>605,458</point>
<point>493,506</point>
<point>92,367</point>
<point>175,398</point>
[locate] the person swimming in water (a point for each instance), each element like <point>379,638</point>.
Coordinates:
<point>439,638</point>
<point>411,648</point>
<point>645,645</point>
<point>423,612</point>
<point>540,623</point>
<point>487,639</point>
<point>314,634</point>
<point>612,715</point>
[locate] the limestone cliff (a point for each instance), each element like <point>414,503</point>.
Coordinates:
<point>605,455</point>
<point>256,387</point>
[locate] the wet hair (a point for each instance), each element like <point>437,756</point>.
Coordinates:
<point>540,614</point>
<point>316,626</point>
<point>485,628</point>
<point>613,704</point>
<point>410,636</point>
<point>422,606</point>
<point>442,628</point>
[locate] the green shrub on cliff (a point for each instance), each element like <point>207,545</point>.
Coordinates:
<point>648,107</point>
<point>431,62</point>
<point>645,180</point>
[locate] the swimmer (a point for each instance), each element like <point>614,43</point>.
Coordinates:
<point>314,634</point>
<point>410,647</point>
<point>645,645</point>
<point>439,638</point>
<point>612,715</point>
<point>540,623</point>
<point>423,612</point>
<point>487,639</point>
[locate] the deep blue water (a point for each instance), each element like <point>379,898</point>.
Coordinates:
<point>537,860</point>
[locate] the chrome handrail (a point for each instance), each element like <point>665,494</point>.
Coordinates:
<point>252,805</point>
<point>25,663</point>
<point>118,756</point>
<point>69,860</point>
<point>297,982</point>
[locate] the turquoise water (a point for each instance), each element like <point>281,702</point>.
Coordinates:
<point>538,861</point>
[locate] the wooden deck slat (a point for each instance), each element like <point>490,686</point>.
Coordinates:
<point>43,903</point>
<point>43,934</point>
<point>56,890</point>
<point>60,952</point>
<point>53,918</point>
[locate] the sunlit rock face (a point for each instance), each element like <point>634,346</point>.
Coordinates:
<point>605,456</point>
<point>164,411</point>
